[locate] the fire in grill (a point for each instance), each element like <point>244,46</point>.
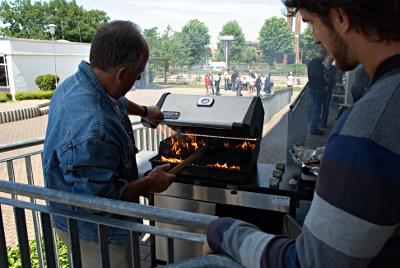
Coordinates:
<point>222,156</point>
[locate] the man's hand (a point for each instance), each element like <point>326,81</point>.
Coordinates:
<point>159,180</point>
<point>154,115</point>
<point>206,248</point>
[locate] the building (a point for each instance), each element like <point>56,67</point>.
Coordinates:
<point>22,60</point>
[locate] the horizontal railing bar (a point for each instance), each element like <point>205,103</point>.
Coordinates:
<point>32,142</point>
<point>108,205</point>
<point>20,144</point>
<point>131,226</point>
<point>20,156</point>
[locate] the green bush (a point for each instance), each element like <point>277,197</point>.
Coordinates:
<point>5,97</point>
<point>34,95</point>
<point>46,81</point>
<point>14,256</point>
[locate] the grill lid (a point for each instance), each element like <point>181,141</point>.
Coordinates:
<point>212,115</point>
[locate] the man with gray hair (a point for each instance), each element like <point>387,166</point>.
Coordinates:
<point>90,148</point>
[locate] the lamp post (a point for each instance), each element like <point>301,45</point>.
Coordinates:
<point>227,39</point>
<point>52,29</point>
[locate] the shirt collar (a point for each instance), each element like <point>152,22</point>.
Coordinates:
<point>386,67</point>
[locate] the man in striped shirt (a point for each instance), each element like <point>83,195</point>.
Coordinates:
<point>355,214</point>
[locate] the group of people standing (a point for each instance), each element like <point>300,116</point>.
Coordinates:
<point>209,82</point>
<point>238,82</point>
<point>322,77</point>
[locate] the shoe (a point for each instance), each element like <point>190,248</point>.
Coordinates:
<point>317,132</point>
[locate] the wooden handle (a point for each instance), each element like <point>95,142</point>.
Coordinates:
<point>188,160</point>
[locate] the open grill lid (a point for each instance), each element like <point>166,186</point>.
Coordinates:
<point>212,115</point>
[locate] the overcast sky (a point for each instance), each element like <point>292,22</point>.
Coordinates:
<point>250,14</point>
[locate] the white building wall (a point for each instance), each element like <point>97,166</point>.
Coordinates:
<point>27,59</point>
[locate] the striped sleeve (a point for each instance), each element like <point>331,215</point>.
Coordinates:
<point>250,246</point>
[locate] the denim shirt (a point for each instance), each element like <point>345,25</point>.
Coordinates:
<point>89,148</point>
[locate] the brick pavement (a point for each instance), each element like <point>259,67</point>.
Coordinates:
<point>273,145</point>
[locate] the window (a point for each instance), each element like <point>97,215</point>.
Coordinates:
<point>3,71</point>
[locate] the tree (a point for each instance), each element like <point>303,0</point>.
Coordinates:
<point>237,47</point>
<point>169,45</point>
<point>195,38</point>
<point>276,39</point>
<point>308,48</point>
<point>250,54</point>
<point>22,19</point>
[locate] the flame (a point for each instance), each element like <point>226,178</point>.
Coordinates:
<point>181,144</point>
<point>246,145</point>
<point>171,159</point>
<point>225,166</point>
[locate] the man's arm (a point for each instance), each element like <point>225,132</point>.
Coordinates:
<point>151,113</point>
<point>248,245</point>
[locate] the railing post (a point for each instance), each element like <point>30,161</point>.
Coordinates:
<point>104,253</point>
<point>3,245</point>
<point>170,249</point>
<point>22,237</point>
<point>29,175</point>
<point>135,249</point>
<point>48,238</point>
<point>75,246</point>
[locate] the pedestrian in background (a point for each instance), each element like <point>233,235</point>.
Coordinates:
<point>316,85</point>
<point>226,80</point>
<point>233,79</point>
<point>290,79</point>
<point>258,85</point>
<point>217,83</point>
<point>239,85</point>
<point>330,76</point>
<point>211,82</point>
<point>207,83</point>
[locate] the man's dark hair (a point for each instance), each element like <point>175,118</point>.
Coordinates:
<point>118,43</point>
<point>377,19</point>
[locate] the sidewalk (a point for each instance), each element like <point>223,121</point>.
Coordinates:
<point>20,110</point>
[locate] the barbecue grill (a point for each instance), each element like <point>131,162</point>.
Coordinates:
<point>230,129</point>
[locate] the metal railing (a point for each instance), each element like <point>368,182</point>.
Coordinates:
<point>298,117</point>
<point>44,212</point>
<point>274,103</point>
<point>24,197</point>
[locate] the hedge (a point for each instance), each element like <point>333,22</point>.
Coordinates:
<point>5,97</point>
<point>34,95</point>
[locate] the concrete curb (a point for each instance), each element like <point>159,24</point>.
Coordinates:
<point>25,113</point>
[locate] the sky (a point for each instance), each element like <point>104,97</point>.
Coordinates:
<point>250,14</point>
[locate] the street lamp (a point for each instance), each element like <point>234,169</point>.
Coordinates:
<point>52,29</point>
<point>227,39</point>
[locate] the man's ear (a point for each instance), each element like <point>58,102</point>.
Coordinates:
<point>121,72</point>
<point>341,20</point>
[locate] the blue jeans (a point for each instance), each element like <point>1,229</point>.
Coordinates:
<point>326,100</point>
<point>234,85</point>
<point>239,90</point>
<point>315,109</point>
